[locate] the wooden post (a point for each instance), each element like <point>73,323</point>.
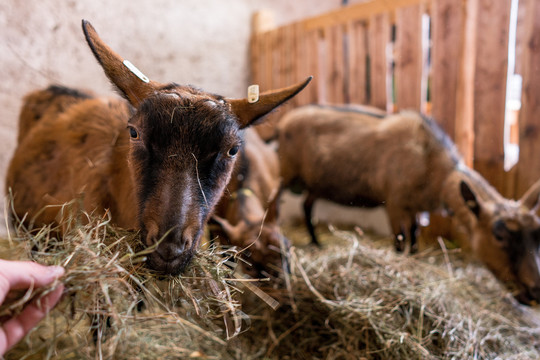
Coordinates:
<point>490,89</point>
<point>408,57</point>
<point>447,25</point>
<point>379,37</point>
<point>529,117</point>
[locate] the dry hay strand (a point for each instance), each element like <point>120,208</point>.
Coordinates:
<point>114,307</point>
<point>354,301</point>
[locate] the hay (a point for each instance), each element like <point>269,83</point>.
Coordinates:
<point>353,299</point>
<point>107,286</point>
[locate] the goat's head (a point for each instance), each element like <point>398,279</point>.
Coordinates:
<point>182,151</point>
<point>506,237</point>
<point>257,234</point>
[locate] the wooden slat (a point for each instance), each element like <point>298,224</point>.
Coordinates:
<point>301,61</point>
<point>357,62</point>
<point>360,11</point>
<point>529,123</point>
<point>268,60</point>
<point>287,74</point>
<point>447,33</point>
<point>271,77</point>
<point>408,57</point>
<point>312,51</point>
<point>379,37</point>
<point>322,68</point>
<point>521,36</point>
<point>464,129</point>
<point>302,64</point>
<point>490,89</point>
<point>335,65</point>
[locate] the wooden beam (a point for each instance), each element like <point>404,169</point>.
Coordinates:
<point>529,124</point>
<point>447,25</point>
<point>408,57</point>
<point>360,11</point>
<point>490,89</point>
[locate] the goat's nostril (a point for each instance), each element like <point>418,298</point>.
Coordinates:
<point>151,233</point>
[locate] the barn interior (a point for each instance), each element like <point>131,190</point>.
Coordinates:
<point>471,65</point>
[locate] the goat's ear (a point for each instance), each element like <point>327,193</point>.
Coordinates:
<point>133,85</point>
<point>531,198</point>
<point>234,233</point>
<point>470,198</point>
<point>249,112</point>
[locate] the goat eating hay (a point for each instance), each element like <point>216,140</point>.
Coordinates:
<point>106,279</point>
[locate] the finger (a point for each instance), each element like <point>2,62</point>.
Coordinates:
<point>15,329</point>
<point>23,274</point>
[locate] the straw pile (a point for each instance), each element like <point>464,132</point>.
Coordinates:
<point>353,299</point>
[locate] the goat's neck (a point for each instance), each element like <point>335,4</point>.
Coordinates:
<point>452,198</point>
<point>122,189</point>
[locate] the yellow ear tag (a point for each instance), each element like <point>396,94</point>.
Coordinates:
<point>136,71</point>
<point>253,94</point>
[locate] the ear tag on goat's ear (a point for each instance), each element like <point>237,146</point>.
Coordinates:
<point>136,71</point>
<point>253,94</point>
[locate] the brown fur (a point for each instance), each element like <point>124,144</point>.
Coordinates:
<point>407,164</point>
<point>247,213</point>
<point>158,164</point>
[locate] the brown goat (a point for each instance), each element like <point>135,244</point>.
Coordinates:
<point>247,214</point>
<point>406,163</point>
<point>158,163</point>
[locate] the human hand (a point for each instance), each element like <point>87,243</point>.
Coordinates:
<point>17,275</point>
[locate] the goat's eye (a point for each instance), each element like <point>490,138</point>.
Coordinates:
<point>133,133</point>
<point>233,151</point>
<point>500,231</point>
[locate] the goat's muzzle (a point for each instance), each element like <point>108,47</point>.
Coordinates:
<point>172,253</point>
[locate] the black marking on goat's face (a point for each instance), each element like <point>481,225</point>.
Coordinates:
<point>519,236</point>
<point>181,160</point>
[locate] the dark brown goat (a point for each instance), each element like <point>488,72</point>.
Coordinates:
<point>248,211</point>
<point>406,163</point>
<point>158,163</point>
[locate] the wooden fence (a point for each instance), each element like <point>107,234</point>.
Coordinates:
<point>446,58</point>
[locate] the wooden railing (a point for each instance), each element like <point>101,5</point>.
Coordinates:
<point>446,58</point>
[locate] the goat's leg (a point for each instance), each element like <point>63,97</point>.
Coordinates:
<point>399,228</point>
<point>308,210</point>
<point>414,235</point>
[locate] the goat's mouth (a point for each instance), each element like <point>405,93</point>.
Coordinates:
<point>173,266</point>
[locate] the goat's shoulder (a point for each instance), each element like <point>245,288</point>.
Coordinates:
<point>47,103</point>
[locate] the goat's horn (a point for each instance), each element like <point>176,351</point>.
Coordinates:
<point>531,198</point>
<point>131,82</point>
<point>249,112</point>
